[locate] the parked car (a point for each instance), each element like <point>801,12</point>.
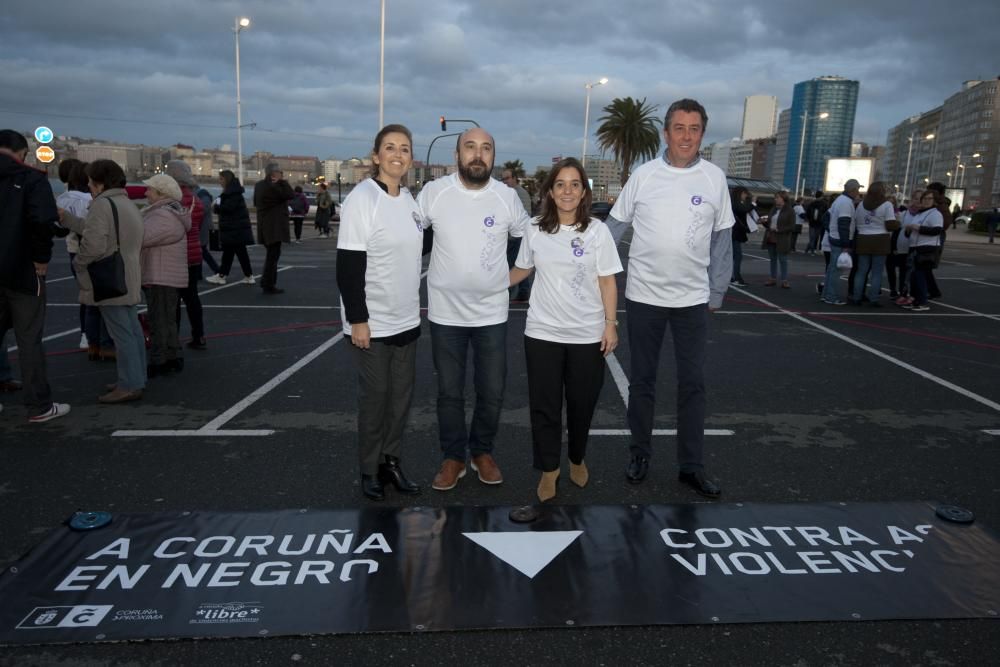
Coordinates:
<point>600,210</point>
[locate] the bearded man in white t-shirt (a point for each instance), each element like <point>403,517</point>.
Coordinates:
<point>680,263</point>
<point>472,216</point>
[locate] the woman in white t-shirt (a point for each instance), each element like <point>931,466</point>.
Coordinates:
<point>378,274</point>
<point>875,220</point>
<point>925,229</point>
<point>572,319</point>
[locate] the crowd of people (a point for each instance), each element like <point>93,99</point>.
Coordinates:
<point>122,256</point>
<point>688,229</point>
<point>870,236</point>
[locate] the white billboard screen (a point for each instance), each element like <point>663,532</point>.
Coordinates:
<point>841,170</point>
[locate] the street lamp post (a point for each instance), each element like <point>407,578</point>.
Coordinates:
<point>802,145</point>
<point>239,24</point>
<point>381,71</point>
<point>906,175</point>
<point>930,169</point>
<point>586,117</point>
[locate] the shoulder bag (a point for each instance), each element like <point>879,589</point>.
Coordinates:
<point>107,275</point>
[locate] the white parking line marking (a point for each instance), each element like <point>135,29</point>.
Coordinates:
<point>979,282</point>
<point>902,364</point>
<point>657,431</point>
<point>189,433</point>
<point>619,376</point>
<point>212,427</point>
<point>991,431</point>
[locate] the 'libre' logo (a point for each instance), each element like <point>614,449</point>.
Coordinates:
<point>696,200</point>
<point>489,221</point>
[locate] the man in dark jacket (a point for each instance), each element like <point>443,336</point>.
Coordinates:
<point>28,220</point>
<point>814,215</point>
<point>271,196</point>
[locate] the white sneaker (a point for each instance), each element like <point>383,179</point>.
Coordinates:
<point>57,410</point>
<point>83,342</point>
<point>249,280</point>
<point>217,279</point>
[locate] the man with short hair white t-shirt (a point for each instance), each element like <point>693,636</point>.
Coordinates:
<point>471,216</point>
<point>679,266</point>
<point>839,236</point>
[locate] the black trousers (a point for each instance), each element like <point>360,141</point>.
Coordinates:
<point>192,303</point>
<point>647,326</point>
<point>269,279</point>
<point>162,308</point>
<point>25,313</point>
<point>897,268</point>
<point>386,376</point>
<point>240,251</point>
<point>297,226</point>
<point>556,370</point>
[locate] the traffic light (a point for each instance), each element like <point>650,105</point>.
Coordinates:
<point>444,124</point>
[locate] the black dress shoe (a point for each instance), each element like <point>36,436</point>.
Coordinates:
<point>637,469</point>
<point>703,485</point>
<point>273,290</point>
<point>372,488</point>
<point>390,473</point>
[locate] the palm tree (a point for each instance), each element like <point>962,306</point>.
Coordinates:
<point>629,130</point>
<point>516,167</point>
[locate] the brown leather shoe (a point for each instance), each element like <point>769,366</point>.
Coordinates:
<point>487,468</point>
<point>447,477</point>
<point>579,474</point>
<point>547,485</point>
<point>120,396</point>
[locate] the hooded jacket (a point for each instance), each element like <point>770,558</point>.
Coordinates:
<point>164,244</point>
<point>234,218</point>
<point>27,223</point>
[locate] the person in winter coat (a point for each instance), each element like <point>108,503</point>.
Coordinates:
<point>180,171</point>
<point>742,205</point>
<point>300,207</point>
<point>325,209</point>
<point>100,237</point>
<point>164,269</point>
<point>271,196</point>
<point>235,231</point>
<point>27,217</point>
<point>205,234</point>
<point>778,238</point>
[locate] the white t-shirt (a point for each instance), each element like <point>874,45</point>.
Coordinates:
<point>468,276</point>
<point>929,218</point>
<point>873,222</point>
<point>77,203</point>
<point>565,304</point>
<point>673,212</point>
<point>800,214</point>
<point>390,230</point>
<point>903,241</point>
<point>842,207</point>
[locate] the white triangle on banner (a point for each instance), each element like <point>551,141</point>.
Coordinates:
<point>527,552</point>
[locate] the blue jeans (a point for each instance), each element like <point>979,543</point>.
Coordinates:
<point>832,279</point>
<point>130,346</point>
<point>877,265</point>
<point>778,259</point>
<point>737,260</point>
<point>95,329</point>
<point>450,347</point>
<point>815,236</point>
<point>689,329</point>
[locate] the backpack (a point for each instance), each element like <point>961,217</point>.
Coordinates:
<point>299,204</point>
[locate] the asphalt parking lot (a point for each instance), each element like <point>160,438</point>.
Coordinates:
<point>819,403</point>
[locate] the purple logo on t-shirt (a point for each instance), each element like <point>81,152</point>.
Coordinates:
<point>489,221</point>
<point>420,223</point>
<point>577,245</point>
<point>696,200</point>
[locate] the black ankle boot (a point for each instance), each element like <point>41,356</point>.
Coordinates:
<point>390,473</point>
<point>372,487</point>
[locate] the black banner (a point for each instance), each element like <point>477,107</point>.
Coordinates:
<point>201,574</point>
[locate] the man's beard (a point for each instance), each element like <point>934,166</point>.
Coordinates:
<point>475,173</point>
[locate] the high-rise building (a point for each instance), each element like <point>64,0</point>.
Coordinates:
<point>967,143</point>
<point>762,157</point>
<point>823,138</point>
<point>781,148</point>
<point>760,117</point>
<point>907,150</point>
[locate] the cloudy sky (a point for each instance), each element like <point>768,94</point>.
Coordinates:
<point>163,72</point>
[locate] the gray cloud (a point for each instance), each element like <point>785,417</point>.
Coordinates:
<point>310,69</point>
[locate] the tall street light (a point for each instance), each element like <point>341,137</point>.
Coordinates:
<point>239,24</point>
<point>906,182</point>
<point>958,160</point>
<point>930,169</point>
<point>381,71</point>
<point>586,117</point>
<point>802,144</point>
